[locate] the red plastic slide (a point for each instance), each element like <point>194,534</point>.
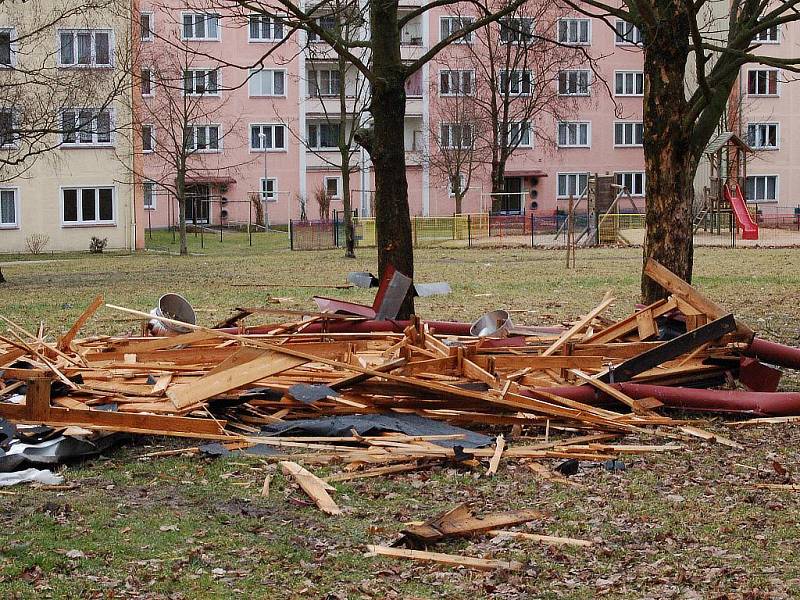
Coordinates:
<point>743,218</point>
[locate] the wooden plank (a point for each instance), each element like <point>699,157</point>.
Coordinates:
<point>269,363</point>
<point>710,437</point>
<point>377,472</point>
<point>494,462</point>
<point>66,340</point>
<point>481,564</point>
<point>461,522</point>
<point>37,399</point>
<point>610,391</point>
<point>538,363</point>
<point>629,324</point>
<point>161,343</point>
<point>544,539</point>
<point>312,485</point>
<point>671,349</point>
<point>580,325</point>
<point>646,324</point>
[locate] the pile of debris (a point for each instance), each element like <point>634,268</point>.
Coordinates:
<point>386,396</point>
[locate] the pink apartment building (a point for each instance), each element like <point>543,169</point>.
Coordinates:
<point>271,119</point>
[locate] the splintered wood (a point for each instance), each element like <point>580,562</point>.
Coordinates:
<point>215,384</point>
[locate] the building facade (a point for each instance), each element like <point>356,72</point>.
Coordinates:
<point>66,175</point>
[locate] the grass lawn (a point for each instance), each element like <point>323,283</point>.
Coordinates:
<point>681,525</point>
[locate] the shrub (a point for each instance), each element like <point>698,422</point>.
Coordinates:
<point>96,245</point>
<point>36,242</point>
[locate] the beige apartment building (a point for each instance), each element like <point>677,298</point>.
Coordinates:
<point>66,170</point>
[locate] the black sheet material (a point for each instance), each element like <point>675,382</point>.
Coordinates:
<point>375,425</point>
<point>69,449</point>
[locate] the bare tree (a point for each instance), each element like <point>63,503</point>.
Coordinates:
<point>44,54</point>
<point>706,43</point>
<point>179,137</point>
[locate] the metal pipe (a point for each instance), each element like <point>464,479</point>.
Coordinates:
<point>774,353</point>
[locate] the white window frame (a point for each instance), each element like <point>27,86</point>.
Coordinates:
<point>207,126</point>
<point>152,138</point>
<point>462,181</point>
<point>15,224</point>
<point>456,76</point>
<point>151,25</point>
<point>13,49</point>
<point>578,20</point>
<point>620,39</point>
<point>753,141</point>
<point>578,72</point>
<point>273,127</point>
<point>515,32</point>
<point>267,195</point>
<point>338,180</point>
<point>576,175</point>
<point>768,94</point>
<point>634,75</point>
<point>466,21</point>
<point>313,38</point>
<point>765,37</point>
<point>578,125</point>
<point>206,72</point>
<point>151,79</point>
<point>314,84</point>
<point>634,176</point>
<point>764,177</point>
<point>205,37</point>
<point>93,54</point>
<point>513,79</point>
<point>14,136</point>
<point>94,143</point>
<point>449,145</point>
<point>271,37</point>
<point>510,137</point>
<point>84,223</point>
<point>316,147</point>
<point>625,127</point>
<point>256,73</point>
<point>153,200</point>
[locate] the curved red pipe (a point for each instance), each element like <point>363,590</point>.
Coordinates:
<point>774,404</point>
<point>774,353</point>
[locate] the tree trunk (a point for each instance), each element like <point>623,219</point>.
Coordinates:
<point>669,165</point>
<point>459,201</point>
<point>498,184</point>
<point>2,279</point>
<point>392,219</point>
<point>180,188</point>
<point>349,227</point>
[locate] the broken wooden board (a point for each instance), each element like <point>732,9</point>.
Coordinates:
<point>481,564</point>
<point>312,485</point>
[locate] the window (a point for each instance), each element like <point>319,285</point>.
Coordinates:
<point>7,47</point>
<point>762,188</point>
<point>146,26</point>
<point>269,189</point>
<point>203,138</point>
<point>148,139</point>
<point>85,127</point>
<point>265,29</point>
<point>762,82</point>
<point>85,48</point>
<point>627,34</point>
<point>574,134</point>
<point>323,136</point>
<point>149,195</point>
<point>628,134</point>
<point>451,25</point>
<point>9,209</point>
<point>628,83</point>
<point>572,184</point>
<point>518,82</point>
<point>516,30</point>
<point>268,137</point>
<point>573,82</point>
<point>201,82</point>
<point>327,23</point>
<point>456,135</point>
<point>333,187</point>
<point>8,137</point>
<point>267,82</point>
<point>768,36</point>
<point>634,182</point>
<point>147,82</point>
<point>88,206</point>
<point>200,26</point>
<point>518,134</point>
<point>456,83</point>
<point>763,136</point>
<point>574,31</point>
<point>324,82</point>
<point>457,184</point>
